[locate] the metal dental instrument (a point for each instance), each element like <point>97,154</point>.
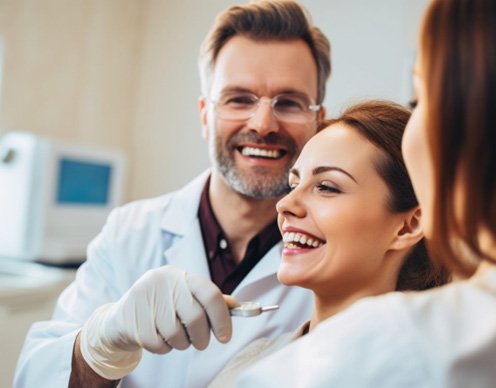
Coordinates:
<point>250,309</point>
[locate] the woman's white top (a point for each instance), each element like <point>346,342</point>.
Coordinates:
<point>445,337</point>
<point>254,352</point>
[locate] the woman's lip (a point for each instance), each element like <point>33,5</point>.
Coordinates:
<point>294,251</point>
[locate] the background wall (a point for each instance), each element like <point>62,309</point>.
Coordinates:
<point>123,73</point>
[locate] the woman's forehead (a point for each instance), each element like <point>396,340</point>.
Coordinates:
<point>340,145</point>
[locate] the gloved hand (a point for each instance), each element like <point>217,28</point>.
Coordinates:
<point>166,308</point>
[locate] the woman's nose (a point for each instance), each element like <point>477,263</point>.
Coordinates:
<point>291,204</point>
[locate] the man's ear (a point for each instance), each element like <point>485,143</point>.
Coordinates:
<point>202,104</point>
<point>321,115</point>
<point>410,232</point>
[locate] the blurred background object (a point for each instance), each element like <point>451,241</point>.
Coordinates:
<point>27,294</point>
<point>55,196</point>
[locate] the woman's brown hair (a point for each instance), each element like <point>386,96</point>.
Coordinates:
<point>383,123</point>
<point>458,63</point>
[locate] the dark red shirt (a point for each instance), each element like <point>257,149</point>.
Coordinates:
<point>224,271</point>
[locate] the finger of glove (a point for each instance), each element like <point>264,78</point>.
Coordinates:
<point>140,314</point>
<point>230,300</point>
<point>174,334</point>
<point>154,341</point>
<point>210,298</point>
<point>195,321</point>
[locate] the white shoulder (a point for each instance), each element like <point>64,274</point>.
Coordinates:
<point>366,345</point>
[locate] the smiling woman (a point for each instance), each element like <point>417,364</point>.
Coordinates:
<point>351,223</point>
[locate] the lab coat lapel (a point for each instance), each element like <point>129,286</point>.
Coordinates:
<point>266,267</point>
<point>180,223</point>
<point>188,252</point>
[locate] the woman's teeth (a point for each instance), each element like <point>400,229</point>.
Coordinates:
<point>293,240</point>
<point>260,152</point>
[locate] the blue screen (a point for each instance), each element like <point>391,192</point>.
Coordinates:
<point>83,183</point>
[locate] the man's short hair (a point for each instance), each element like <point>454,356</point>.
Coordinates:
<point>266,20</point>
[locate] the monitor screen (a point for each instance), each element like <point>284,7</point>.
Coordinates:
<point>83,183</point>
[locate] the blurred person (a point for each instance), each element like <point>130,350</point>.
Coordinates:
<point>351,224</point>
<point>154,277</point>
<point>444,337</point>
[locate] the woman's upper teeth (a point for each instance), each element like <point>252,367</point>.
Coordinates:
<point>297,237</point>
<point>252,151</point>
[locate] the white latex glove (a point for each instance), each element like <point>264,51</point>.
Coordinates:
<point>166,308</point>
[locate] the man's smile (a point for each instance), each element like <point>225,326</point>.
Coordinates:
<point>266,153</point>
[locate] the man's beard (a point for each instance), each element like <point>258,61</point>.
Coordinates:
<point>257,182</point>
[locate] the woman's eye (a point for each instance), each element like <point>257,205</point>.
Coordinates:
<point>327,188</point>
<point>413,103</point>
<point>292,186</point>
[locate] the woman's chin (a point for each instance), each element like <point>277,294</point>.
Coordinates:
<point>290,276</point>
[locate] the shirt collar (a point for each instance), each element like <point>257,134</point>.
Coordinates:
<point>213,233</point>
<point>211,230</point>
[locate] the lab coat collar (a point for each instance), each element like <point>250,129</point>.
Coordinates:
<point>182,210</point>
<point>188,251</point>
<point>268,266</point>
<point>181,219</point>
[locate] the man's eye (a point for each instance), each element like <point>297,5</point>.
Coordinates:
<point>240,101</point>
<point>289,104</point>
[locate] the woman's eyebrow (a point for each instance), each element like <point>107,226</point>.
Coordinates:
<point>322,169</point>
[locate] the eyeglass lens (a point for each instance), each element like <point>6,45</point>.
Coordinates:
<point>286,107</point>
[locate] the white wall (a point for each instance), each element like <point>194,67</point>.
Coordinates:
<point>373,47</point>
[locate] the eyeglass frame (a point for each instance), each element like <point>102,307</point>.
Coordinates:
<point>257,101</point>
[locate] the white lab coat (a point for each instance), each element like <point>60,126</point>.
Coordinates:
<point>442,338</point>
<point>138,237</point>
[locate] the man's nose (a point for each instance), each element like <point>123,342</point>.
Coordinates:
<point>263,120</point>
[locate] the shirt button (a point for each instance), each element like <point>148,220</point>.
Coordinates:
<point>223,244</point>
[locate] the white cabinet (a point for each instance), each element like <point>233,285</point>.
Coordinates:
<point>27,294</point>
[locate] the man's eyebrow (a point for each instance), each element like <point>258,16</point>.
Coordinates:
<point>241,89</point>
<point>235,89</point>
<point>321,169</point>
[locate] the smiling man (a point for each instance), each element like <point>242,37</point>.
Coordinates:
<point>154,278</point>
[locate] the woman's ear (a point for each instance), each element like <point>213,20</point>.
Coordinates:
<point>202,103</point>
<point>410,232</point>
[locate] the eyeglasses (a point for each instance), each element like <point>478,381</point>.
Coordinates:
<point>288,107</point>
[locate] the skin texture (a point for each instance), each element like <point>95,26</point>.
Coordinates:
<point>339,199</point>
<point>83,376</point>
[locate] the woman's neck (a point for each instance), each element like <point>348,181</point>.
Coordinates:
<point>325,306</point>
<point>323,310</point>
